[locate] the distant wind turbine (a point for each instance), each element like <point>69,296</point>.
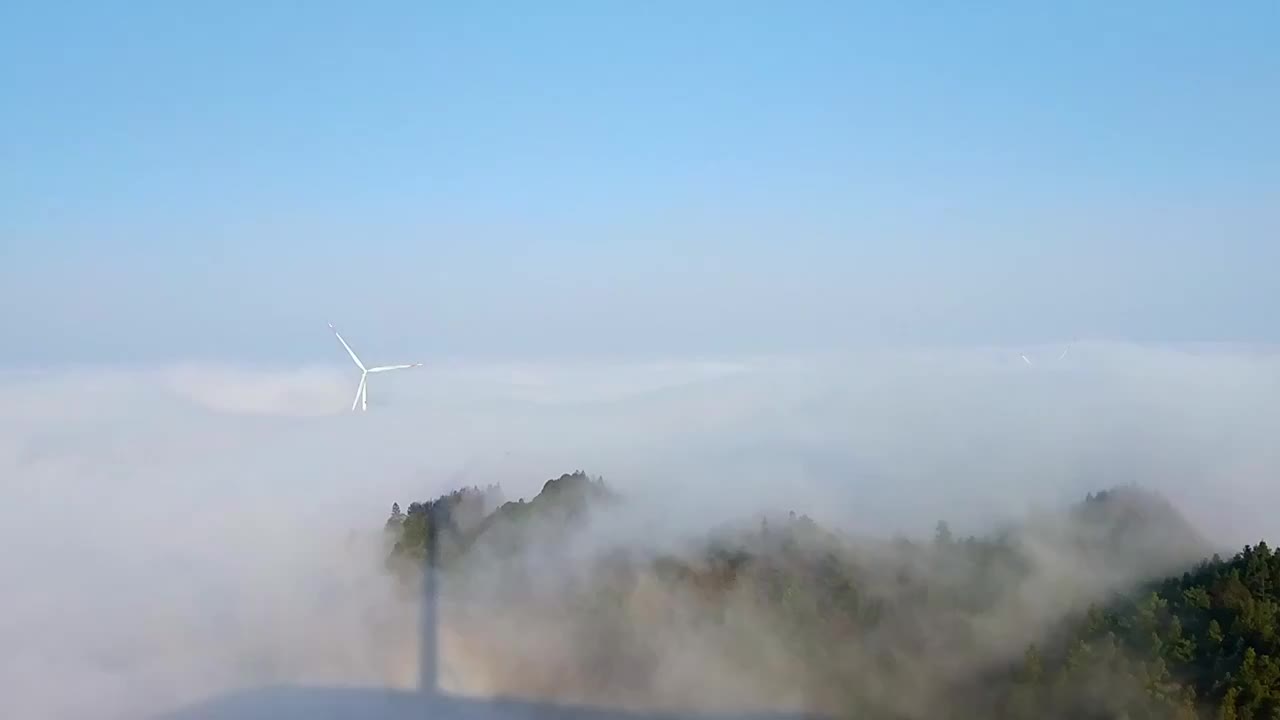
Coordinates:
<point>1061,356</point>
<point>362,391</point>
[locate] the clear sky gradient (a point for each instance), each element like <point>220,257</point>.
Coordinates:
<point>514,179</point>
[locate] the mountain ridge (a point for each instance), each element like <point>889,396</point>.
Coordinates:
<point>838,625</point>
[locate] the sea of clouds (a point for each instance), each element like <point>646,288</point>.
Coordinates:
<point>171,533</point>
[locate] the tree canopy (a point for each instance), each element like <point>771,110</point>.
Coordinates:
<point>1107,610</point>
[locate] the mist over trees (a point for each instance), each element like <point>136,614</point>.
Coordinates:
<point>1107,609</point>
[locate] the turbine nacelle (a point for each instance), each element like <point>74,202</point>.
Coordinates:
<point>362,390</point>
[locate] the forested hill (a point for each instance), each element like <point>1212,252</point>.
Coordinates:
<point>1105,610</point>
<point>468,515</point>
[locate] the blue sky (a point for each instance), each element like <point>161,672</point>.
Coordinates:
<point>632,178</point>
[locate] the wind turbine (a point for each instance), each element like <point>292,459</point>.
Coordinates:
<point>1062,356</point>
<point>362,391</point>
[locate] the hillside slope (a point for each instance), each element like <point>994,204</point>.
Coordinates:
<point>1064,616</point>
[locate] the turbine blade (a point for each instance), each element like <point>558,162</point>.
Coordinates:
<point>359,392</point>
<point>1026,360</point>
<point>1064,352</point>
<point>384,368</point>
<point>348,347</point>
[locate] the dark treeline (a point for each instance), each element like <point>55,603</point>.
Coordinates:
<point>1107,610</point>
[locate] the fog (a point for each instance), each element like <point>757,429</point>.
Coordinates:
<point>171,533</point>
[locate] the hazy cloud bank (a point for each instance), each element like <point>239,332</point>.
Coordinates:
<point>167,533</point>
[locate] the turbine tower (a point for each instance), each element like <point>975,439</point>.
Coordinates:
<point>362,391</point>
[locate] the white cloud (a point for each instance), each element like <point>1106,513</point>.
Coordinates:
<point>169,533</point>
<point>306,392</point>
